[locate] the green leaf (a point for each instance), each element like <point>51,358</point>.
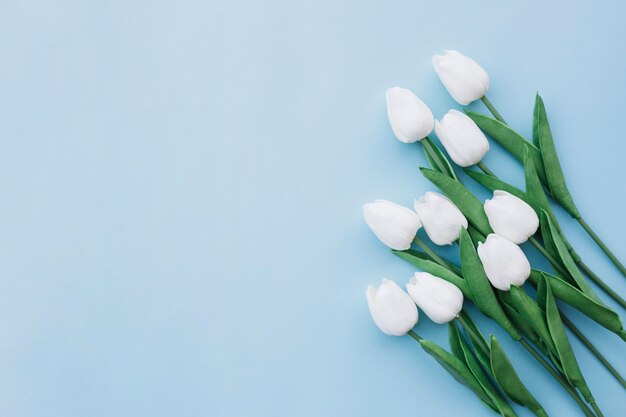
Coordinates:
<point>479,344</point>
<point>457,368</point>
<point>519,321</point>
<point>493,183</point>
<point>534,316</point>
<point>437,159</point>
<point>536,126</point>
<point>550,234</point>
<point>463,198</point>
<point>454,339</point>
<point>572,296</point>
<point>508,379</point>
<point>452,267</point>
<point>509,139</point>
<point>564,348</point>
<point>480,287</point>
<point>553,170</point>
<point>431,267</point>
<point>480,375</point>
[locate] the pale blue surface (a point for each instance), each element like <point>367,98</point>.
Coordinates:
<point>181,187</point>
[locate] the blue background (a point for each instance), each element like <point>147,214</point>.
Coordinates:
<point>181,187</point>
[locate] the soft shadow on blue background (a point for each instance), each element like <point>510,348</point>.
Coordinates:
<point>181,187</point>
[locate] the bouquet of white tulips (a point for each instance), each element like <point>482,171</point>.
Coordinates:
<point>493,269</point>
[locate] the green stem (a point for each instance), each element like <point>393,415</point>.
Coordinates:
<point>430,252</point>
<point>598,281</point>
<point>571,391</point>
<point>492,109</point>
<point>484,168</point>
<point>415,336</point>
<point>593,349</point>
<point>601,244</point>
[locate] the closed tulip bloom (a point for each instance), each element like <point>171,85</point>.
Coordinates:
<point>439,299</point>
<point>463,140</point>
<point>511,217</point>
<point>504,262</point>
<point>441,219</point>
<point>464,79</point>
<point>410,119</point>
<point>392,309</point>
<point>395,225</point>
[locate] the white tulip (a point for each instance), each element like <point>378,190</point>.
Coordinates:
<point>464,79</point>
<point>395,225</point>
<point>392,309</point>
<point>511,217</point>
<point>411,120</point>
<point>463,140</point>
<point>441,219</point>
<point>439,299</point>
<point>504,262</point>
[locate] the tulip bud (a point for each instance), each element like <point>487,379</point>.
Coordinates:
<point>392,309</point>
<point>511,217</point>
<point>439,299</point>
<point>441,219</point>
<point>411,120</point>
<point>504,262</point>
<point>463,140</point>
<point>395,225</point>
<point>464,79</point>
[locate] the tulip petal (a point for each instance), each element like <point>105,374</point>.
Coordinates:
<point>441,219</point>
<point>392,309</point>
<point>410,119</point>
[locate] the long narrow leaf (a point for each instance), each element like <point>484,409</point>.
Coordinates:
<point>553,170</point>
<point>457,369</point>
<point>479,286</point>
<point>493,183</point>
<point>510,140</point>
<point>572,296</point>
<point>564,349</point>
<point>552,235</point>
<point>507,378</point>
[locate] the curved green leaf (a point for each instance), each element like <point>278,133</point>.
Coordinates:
<point>533,315</point>
<point>553,170</point>
<point>519,321</point>
<point>482,378</point>
<point>564,348</point>
<point>572,296</point>
<point>480,287</point>
<point>463,198</point>
<point>493,183</point>
<point>457,368</point>
<point>454,339</point>
<point>437,159</point>
<point>550,234</point>
<point>510,382</point>
<point>431,267</point>
<point>424,256</point>
<point>476,339</point>
<point>512,141</point>
<point>535,196</point>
